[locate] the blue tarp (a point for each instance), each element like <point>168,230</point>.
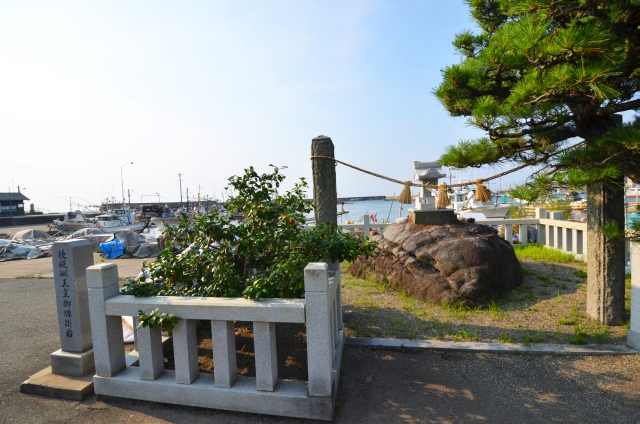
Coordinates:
<point>112,249</point>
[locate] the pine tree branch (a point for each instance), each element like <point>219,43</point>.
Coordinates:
<point>632,104</point>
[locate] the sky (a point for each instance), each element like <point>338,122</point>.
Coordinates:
<point>206,89</point>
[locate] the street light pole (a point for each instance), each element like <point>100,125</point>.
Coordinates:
<point>158,198</point>
<point>122,180</point>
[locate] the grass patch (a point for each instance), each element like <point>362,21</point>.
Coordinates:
<point>579,336</point>
<point>580,274</point>
<point>464,335</point>
<point>457,310</point>
<point>539,253</point>
<point>504,337</point>
<point>566,321</point>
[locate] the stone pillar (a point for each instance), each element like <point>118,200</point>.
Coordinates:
<point>70,261</point>
<point>319,342</point>
<point>633,335</point>
<point>325,193</point>
<point>605,271</point>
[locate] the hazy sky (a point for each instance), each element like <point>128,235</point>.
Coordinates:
<point>209,88</point>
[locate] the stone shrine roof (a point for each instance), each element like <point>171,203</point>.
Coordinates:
<point>427,170</point>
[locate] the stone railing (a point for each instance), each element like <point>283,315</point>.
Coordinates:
<point>551,231</point>
<point>117,375</point>
<point>366,225</point>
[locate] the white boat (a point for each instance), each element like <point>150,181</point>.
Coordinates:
<point>124,215</point>
<point>161,221</point>
<point>465,201</point>
<point>71,222</point>
<point>109,223</point>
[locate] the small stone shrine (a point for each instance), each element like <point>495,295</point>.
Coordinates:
<point>427,173</point>
<point>425,211</point>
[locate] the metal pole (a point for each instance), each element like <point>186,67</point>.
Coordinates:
<point>122,181</point>
<point>180,178</point>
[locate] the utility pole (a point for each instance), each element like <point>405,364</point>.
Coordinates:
<point>129,196</point>
<point>180,178</point>
<point>187,199</point>
<point>10,206</point>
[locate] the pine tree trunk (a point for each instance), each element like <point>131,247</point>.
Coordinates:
<point>605,255</point>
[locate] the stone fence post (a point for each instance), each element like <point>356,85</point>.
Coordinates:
<point>319,345</point>
<point>633,335</point>
<point>325,193</point>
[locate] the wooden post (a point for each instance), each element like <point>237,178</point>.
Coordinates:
<point>325,193</point>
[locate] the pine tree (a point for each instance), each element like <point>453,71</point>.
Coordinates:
<point>545,79</point>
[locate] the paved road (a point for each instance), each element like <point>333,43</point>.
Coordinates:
<point>377,386</point>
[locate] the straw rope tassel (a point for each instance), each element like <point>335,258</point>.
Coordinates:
<point>442,201</point>
<point>405,195</point>
<point>482,194</point>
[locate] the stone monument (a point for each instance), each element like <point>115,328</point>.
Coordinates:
<point>72,366</point>
<point>425,211</point>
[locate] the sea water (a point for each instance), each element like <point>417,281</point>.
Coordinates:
<point>385,210</point>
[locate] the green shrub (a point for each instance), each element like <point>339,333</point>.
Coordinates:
<point>264,255</point>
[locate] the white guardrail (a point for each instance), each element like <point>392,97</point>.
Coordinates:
<point>141,374</point>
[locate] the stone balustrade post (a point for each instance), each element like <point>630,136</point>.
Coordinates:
<point>106,330</point>
<point>367,226</point>
<point>320,348</point>
<point>633,335</point>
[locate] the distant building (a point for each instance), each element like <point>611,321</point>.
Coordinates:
<point>12,204</point>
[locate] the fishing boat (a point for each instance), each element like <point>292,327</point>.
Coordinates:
<point>109,223</point>
<point>465,201</point>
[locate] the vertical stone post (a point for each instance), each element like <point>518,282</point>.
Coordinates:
<point>522,235</point>
<point>106,329</point>
<point>508,233</point>
<point>325,193</point>
<point>319,344</point>
<point>70,261</point>
<point>633,335</point>
<point>605,267</point>
<point>541,213</point>
<point>367,226</point>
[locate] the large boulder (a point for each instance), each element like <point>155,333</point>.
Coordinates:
<point>460,262</point>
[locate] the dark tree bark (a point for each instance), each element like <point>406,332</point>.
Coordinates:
<point>605,255</point>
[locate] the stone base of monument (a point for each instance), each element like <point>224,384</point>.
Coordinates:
<point>72,364</point>
<point>433,216</point>
<point>46,383</point>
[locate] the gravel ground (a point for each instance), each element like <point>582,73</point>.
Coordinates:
<point>494,388</point>
<point>549,307</point>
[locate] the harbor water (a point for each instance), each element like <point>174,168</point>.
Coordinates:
<point>385,210</point>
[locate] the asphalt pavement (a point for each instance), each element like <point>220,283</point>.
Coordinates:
<point>376,385</point>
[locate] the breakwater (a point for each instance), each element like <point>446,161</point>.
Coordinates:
<point>360,198</point>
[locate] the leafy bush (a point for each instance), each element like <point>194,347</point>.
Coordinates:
<point>264,255</point>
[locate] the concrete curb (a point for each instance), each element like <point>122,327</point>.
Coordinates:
<point>479,347</point>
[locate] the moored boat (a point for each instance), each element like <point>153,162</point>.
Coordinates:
<point>109,223</point>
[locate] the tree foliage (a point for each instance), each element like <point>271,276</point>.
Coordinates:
<point>264,255</point>
<point>543,78</point>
